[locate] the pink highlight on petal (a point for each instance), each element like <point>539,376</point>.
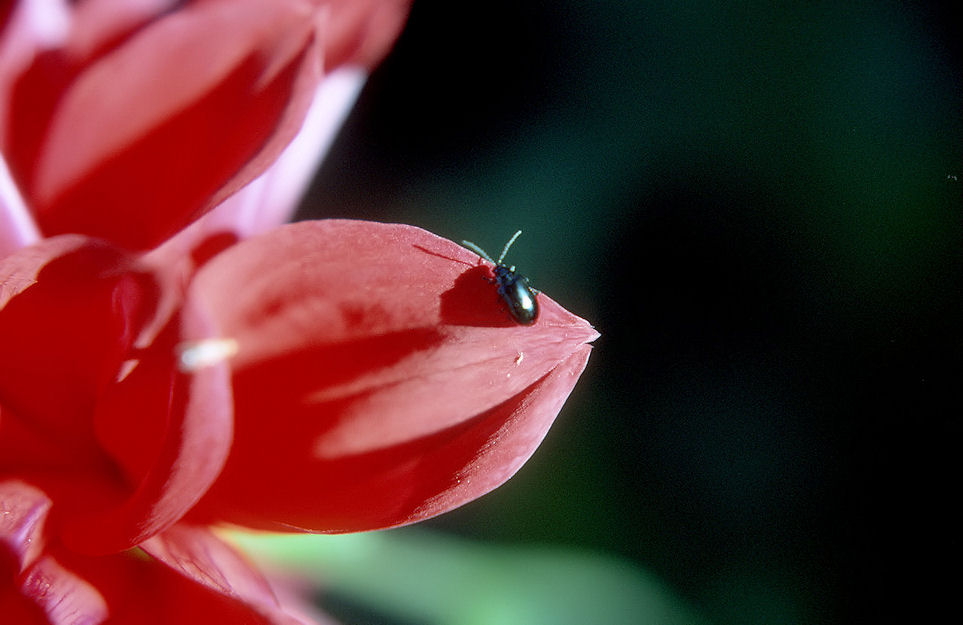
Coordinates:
<point>32,27</point>
<point>201,557</point>
<point>278,190</point>
<point>23,513</point>
<point>92,124</point>
<point>205,96</point>
<point>97,21</point>
<point>17,227</point>
<point>272,198</point>
<point>65,597</point>
<point>44,585</point>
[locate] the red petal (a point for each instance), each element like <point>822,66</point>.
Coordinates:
<point>35,588</point>
<point>379,379</point>
<point>200,556</point>
<point>361,32</point>
<point>270,199</point>
<point>195,579</point>
<point>19,609</point>
<point>71,311</point>
<point>170,430</point>
<point>129,138</point>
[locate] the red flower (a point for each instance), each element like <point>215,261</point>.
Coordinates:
<point>326,376</point>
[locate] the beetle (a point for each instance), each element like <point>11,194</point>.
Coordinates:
<point>513,287</point>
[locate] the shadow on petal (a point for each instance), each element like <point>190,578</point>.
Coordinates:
<point>285,484</point>
<point>474,301</point>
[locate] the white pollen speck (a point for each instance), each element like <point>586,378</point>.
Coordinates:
<point>195,355</point>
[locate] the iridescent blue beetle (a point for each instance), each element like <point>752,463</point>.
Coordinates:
<point>513,287</point>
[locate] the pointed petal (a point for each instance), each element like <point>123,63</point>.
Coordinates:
<point>378,379</point>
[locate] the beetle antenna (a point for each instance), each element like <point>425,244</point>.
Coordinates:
<point>507,245</point>
<point>478,251</point>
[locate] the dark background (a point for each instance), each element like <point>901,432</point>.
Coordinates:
<point>760,210</point>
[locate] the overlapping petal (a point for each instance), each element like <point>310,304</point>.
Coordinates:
<point>36,588</point>
<point>378,379</point>
<point>189,576</point>
<point>70,310</point>
<point>190,105</point>
<point>83,148</point>
<point>270,199</point>
<point>123,439</point>
<point>330,376</point>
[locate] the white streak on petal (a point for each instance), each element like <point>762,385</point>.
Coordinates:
<point>195,355</point>
<point>333,101</point>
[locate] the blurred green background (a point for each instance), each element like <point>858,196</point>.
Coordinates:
<point>759,207</point>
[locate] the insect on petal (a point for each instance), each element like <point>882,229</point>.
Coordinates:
<point>364,397</point>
